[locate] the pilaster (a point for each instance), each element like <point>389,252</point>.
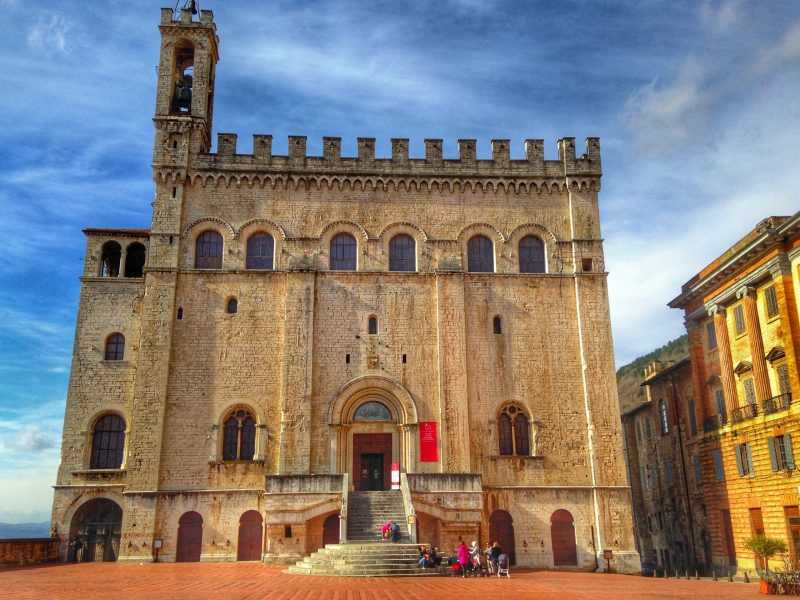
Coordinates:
<point>757,356</point>
<point>697,359</point>
<point>725,358</point>
<point>790,325</point>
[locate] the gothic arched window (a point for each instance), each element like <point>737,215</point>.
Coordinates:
<point>115,347</point>
<point>135,257</point>
<point>402,253</point>
<point>260,251</point>
<point>232,307</point>
<point>108,443</point>
<point>239,436</point>
<point>208,251</point>
<point>343,252</point>
<point>531,255</point>
<point>480,255</point>
<point>514,431</point>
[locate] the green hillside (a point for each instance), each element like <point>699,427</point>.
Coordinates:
<point>630,376</point>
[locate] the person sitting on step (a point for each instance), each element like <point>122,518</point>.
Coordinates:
<point>395,529</point>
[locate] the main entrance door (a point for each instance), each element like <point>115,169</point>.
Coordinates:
<point>372,457</point>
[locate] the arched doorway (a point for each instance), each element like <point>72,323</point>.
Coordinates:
<point>250,536</point>
<point>190,537</point>
<point>330,530</point>
<point>501,530</point>
<point>562,533</point>
<point>95,531</point>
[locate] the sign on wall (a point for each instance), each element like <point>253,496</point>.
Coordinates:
<point>428,442</point>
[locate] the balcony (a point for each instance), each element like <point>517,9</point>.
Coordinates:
<point>743,413</point>
<point>776,403</point>
<point>714,422</point>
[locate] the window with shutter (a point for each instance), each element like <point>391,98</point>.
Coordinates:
<point>719,471</point>
<point>698,469</point>
<point>771,302</point>
<point>711,335</point>
<point>692,417</point>
<point>749,391</point>
<point>719,398</point>
<point>783,379</point>
<point>738,318</point>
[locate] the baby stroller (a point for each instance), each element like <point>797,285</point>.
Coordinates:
<point>503,566</point>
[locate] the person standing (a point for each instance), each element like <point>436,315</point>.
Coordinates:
<point>495,555</point>
<point>463,557</point>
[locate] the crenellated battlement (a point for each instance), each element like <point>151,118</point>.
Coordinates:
<point>185,17</point>
<point>533,163</point>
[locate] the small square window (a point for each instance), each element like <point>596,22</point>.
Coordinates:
<point>586,264</point>
<point>287,531</point>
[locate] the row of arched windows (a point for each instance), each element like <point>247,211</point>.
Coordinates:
<point>111,259</point>
<point>344,253</point>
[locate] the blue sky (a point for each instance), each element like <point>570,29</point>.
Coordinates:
<point>696,104</point>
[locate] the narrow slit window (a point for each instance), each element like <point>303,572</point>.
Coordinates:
<point>498,325</point>
<point>233,306</point>
<point>373,325</point>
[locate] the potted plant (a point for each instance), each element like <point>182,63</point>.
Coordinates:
<point>765,548</point>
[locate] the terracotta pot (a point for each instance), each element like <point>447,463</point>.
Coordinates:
<point>765,587</point>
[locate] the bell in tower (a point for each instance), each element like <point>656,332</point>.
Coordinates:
<point>184,63</point>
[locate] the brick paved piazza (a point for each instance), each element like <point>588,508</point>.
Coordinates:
<point>232,581</point>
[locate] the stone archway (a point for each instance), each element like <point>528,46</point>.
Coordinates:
<point>501,530</point>
<point>330,530</point>
<point>190,537</point>
<point>95,530</point>
<point>374,420</point>
<point>250,540</point>
<point>562,535</point>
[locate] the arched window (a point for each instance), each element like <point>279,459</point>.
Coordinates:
<point>260,251</point>
<point>343,252</point>
<point>531,255</point>
<point>402,253</point>
<point>664,416</point>
<point>480,255</point>
<point>497,323</point>
<point>232,307</point>
<point>108,442</point>
<point>109,259</point>
<point>372,411</point>
<point>514,432</point>
<point>134,260</point>
<point>183,77</point>
<point>373,325</point>
<point>239,436</point>
<point>115,347</point>
<point>208,251</point>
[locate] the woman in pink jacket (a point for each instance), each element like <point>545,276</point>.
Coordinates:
<point>463,557</point>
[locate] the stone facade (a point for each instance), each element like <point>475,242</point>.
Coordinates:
<point>744,334</point>
<point>668,503</point>
<point>451,348</point>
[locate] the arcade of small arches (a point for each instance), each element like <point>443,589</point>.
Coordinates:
<point>116,261</point>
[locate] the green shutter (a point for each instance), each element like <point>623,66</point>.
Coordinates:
<point>787,445</point>
<point>773,453</point>
<point>750,470</point>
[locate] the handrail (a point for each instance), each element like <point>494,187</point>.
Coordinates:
<point>408,505</point>
<point>343,509</point>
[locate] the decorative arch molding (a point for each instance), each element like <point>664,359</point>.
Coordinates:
<point>223,413</point>
<point>403,227</point>
<point>254,225</point>
<point>548,237</point>
<point>215,223</point>
<point>109,410</point>
<point>69,513</point>
<point>480,229</point>
<point>393,395</point>
<point>335,227</point>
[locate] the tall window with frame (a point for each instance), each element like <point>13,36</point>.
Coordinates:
<point>738,319</point>
<point>480,255</point>
<point>719,400</point>
<point>514,432</point>
<point>260,252</point>
<point>208,250</point>
<point>749,391</point>
<point>343,252</point>
<point>663,414</point>
<point>770,302</point>
<point>115,347</point>
<point>711,335</point>
<point>783,379</point>
<point>780,452</point>
<point>719,470</point>
<point>402,253</point>
<point>744,460</point>
<point>239,436</point>
<point>108,443</point>
<point>531,255</point>
<point>692,416</point>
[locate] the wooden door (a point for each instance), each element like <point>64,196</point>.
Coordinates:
<point>370,444</point>
<point>562,534</point>
<point>250,536</point>
<point>190,537</point>
<point>330,530</point>
<point>501,530</point>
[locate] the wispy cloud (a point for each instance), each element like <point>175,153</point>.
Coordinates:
<point>49,34</point>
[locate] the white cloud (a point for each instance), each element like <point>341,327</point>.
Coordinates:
<point>30,439</point>
<point>720,17</point>
<point>49,34</point>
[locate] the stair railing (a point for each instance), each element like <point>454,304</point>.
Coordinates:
<point>408,506</point>
<point>343,509</point>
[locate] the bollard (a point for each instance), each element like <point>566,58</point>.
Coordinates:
<point>687,573</point>
<point>746,578</point>
<point>714,571</point>
<point>697,574</point>
<point>730,576</point>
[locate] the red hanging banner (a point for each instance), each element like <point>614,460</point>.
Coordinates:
<point>428,442</point>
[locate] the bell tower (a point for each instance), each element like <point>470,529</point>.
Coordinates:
<point>185,94</point>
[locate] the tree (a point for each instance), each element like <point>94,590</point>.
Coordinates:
<point>765,548</point>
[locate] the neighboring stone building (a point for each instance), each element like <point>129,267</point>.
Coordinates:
<point>744,336</point>
<point>669,513</point>
<point>294,328</point>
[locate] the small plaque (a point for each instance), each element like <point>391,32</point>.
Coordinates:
<point>608,554</point>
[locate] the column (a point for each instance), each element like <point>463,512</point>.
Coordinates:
<point>123,255</point>
<point>757,355</point>
<point>725,359</point>
<point>790,328</point>
<point>697,355</point>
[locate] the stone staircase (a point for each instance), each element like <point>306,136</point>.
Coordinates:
<point>365,554</point>
<point>368,511</point>
<point>381,559</point>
